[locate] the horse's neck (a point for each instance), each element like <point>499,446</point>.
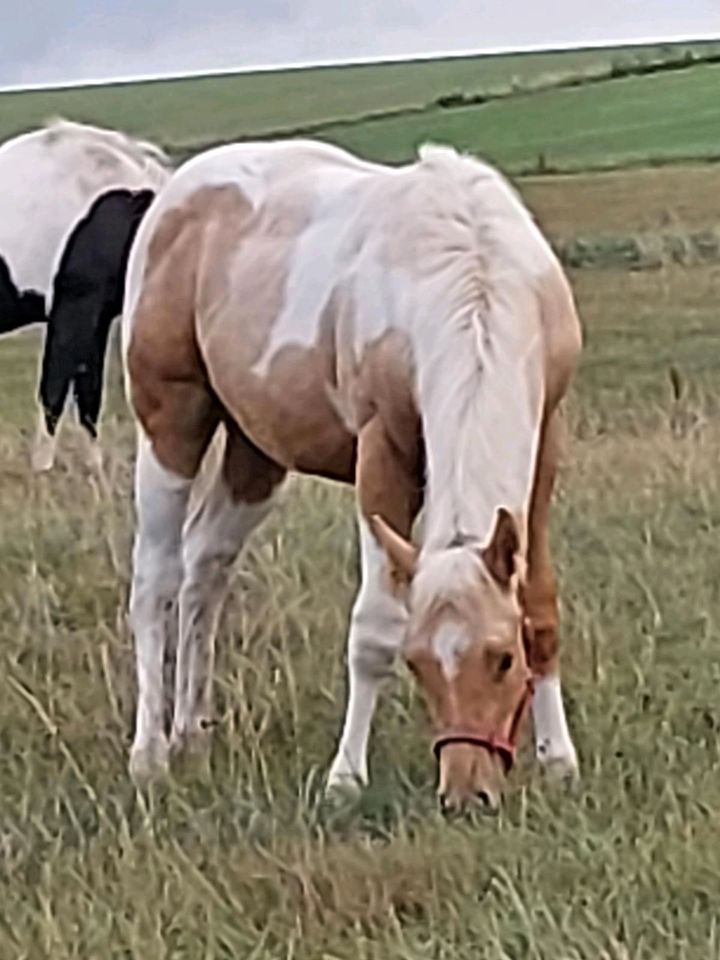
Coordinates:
<point>481,393</point>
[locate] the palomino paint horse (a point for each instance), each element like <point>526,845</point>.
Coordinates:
<point>71,199</point>
<point>406,330</point>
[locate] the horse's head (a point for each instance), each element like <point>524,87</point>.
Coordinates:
<point>464,644</point>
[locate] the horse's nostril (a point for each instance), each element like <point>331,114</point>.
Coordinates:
<point>484,799</point>
<point>443,801</point>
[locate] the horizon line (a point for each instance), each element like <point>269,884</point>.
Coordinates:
<point>210,72</point>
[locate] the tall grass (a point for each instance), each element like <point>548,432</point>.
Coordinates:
<point>254,864</point>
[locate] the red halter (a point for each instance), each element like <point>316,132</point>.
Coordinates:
<point>505,747</point>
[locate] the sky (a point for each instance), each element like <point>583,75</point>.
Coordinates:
<point>58,41</point>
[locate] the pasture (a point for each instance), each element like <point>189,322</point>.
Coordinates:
<point>255,864</point>
<point>609,124</point>
<point>532,118</point>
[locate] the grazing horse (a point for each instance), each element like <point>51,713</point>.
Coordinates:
<point>408,330</point>
<point>72,198</point>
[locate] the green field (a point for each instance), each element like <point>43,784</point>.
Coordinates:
<point>253,864</point>
<point>615,123</point>
<point>206,108</point>
<point>609,123</point>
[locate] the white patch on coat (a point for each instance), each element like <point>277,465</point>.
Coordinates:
<point>377,629</point>
<point>50,177</point>
<point>449,643</point>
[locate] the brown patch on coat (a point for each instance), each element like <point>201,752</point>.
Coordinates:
<point>389,484</point>
<point>286,412</point>
<point>562,335</point>
<point>249,475</point>
<point>169,386</point>
<point>539,592</point>
<point>214,286</point>
<point>563,343</point>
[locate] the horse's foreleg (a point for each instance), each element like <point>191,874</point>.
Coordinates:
<point>553,743</point>
<point>387,485</point>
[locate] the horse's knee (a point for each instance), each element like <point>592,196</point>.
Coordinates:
<point>543,646</point>
<point>373,643</point>
<point>542,639</point>
<point>153,592</point>
<point>206,577</point>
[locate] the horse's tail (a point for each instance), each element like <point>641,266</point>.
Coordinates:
<point>78,327</point>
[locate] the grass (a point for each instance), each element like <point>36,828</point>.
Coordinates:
<point>650,200</point>
<point>253,864</point>
<point>203,108</point>
<point>384,111</point>
<point>661,117</point>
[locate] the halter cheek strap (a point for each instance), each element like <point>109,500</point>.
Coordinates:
<point>504,746</point>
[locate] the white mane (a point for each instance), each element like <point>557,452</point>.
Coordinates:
<point>480,355</point>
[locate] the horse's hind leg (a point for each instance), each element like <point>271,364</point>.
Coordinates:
<point>237,496</point>
<point>161,498</point>
<point>172,442</point>
<point>553,744</point>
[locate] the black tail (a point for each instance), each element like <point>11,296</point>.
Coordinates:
<point>87,296</point>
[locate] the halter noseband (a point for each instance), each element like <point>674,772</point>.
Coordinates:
<point>505,747</point>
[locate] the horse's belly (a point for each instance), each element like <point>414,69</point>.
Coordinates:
<point>288,413</point>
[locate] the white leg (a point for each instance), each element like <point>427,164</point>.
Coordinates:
<point>161,502</point>
<point>377,629</point>
<point>213,536</point>
<point>91,453</point>
<point>553,745</point>
<point>43,451</point>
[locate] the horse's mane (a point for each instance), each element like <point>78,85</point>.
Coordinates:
<point>479,365</point>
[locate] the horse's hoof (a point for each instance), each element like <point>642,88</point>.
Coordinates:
<point>343,784</point>
<point>42,457</point>
<point>150,763</point>
<point>190,752</point>
<point>561,769</point>
<point>93,457</point>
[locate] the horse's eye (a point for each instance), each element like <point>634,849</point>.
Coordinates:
<point>506,662</point>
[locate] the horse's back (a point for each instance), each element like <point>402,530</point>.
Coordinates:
<point>276,269</point>
<point>49,178</point>
<point>258,196</point>
<point>39,199</point>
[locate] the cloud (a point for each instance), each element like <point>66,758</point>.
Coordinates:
<point>91,39</point>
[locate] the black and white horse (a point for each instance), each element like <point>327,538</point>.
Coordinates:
<point>71,199</point>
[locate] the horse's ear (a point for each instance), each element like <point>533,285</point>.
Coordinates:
<point>401,553</point>
<point>502,554</point>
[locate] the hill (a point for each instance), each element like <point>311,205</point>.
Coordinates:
<point>570,124</point>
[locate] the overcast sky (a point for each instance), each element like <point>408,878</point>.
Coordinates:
<point>69,40</point>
